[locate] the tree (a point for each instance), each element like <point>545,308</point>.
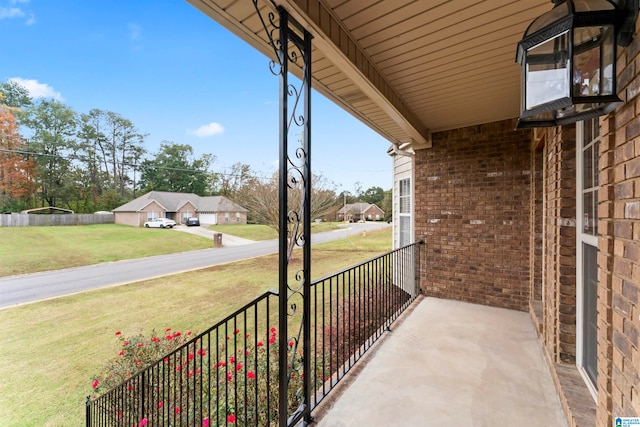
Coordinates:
<point>357,189</point>
<point>124,146</point>
<point>175,168</point>
<point>15,96</point>
<point>345,197</point>
<point>112,149</point>
<point>236,180</point>
<point>373,195</point>
<point>54,128</point>
<point>262,199</point>
<point>387,205</point>
<point>16,168</point>
<point>91,140</point>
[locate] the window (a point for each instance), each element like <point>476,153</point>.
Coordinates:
<point>226,217</point>
<point>587,152</point>
<point>405,196</point>
<point>590,152</point>
<point>152,215</point>
<point>404,212</point>
<point>237,216</point>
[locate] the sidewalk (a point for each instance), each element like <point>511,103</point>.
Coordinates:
<point>450,363</point>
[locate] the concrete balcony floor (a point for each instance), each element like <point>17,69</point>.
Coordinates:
<point>449,363</point>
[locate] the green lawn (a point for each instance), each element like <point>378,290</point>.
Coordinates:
<point>264,232</point>
<point>32,249</point>
<point>51,349</point>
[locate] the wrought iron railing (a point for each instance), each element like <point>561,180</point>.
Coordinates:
<point>228,375</point>
<point>351,309</point>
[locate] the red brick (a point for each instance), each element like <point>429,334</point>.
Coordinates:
<point>479,249</point>
<point>632,168</point>
<point>630,291</point>
<point>632,210</point>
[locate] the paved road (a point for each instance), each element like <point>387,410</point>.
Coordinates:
<point>22,289</point>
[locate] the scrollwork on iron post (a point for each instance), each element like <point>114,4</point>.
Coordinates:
<point>292,44</point>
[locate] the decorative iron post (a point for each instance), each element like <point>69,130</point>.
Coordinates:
<point>292,45</point>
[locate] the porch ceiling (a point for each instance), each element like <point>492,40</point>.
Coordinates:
<point>406,68</point>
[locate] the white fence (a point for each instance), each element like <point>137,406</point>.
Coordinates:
<point>29,220</point>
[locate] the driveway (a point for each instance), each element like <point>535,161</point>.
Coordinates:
<point>26,288</point>
<point>227,239</point>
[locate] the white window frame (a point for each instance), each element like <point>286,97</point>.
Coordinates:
<point>407,215</point>
<point>581,238</point>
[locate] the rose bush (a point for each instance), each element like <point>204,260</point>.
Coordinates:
<point>201,381</point>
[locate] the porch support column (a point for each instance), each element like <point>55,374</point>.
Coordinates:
<point>283,242</point>
<point>294,345</point>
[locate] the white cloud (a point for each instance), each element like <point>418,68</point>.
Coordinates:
<point>37,89</point>
<point>211,129</point>
<point>135,31</point>
<point>11,12</point>
<point>16,12</point>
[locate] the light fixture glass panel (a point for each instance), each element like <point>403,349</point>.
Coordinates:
<point>589,5</point>
<point>591,77</point>
<point>547,71</point>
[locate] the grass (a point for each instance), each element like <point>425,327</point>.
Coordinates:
<point>51,349</point>
<point>32,249</point>
<point>264,232</point>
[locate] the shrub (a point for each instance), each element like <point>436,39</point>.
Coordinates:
<point>171,381</point>
<point>136,353</point>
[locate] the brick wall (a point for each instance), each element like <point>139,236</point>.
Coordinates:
<point>619,248</point>
<point>559,315</point>
<point>472,197</point>
<point>535,251</point>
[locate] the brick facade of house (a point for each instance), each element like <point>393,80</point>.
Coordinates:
<point>560,245</point>
<point>472,197</point>
<point>536,244</point>
<point>619,248</point>
<point>498,213</point>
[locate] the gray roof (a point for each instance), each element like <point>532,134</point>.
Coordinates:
<point>172,202</point>
<point>357,207</point>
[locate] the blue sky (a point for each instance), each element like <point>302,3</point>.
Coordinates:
<point>178,76</point>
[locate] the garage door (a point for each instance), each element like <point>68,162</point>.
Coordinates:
<point>207,218</point>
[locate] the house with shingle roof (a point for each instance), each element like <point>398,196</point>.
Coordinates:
<point>179,207</point>
<point>355,212</point>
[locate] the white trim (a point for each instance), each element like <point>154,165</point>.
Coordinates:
<point>407,215</point>
<point>403,168</point>
<point>544,230</point>
<point>580,239</point>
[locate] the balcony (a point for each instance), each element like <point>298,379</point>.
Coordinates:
<point>375,354</point>
<point>450,363</point>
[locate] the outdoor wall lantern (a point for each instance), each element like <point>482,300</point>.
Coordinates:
<point>568,60</point>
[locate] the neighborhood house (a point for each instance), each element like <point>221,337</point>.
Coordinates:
<point>360,211</point>
<point>179,207</point>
